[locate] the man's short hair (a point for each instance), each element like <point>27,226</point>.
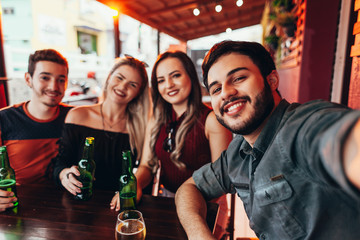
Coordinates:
<point>255,51</point>
<point>46,55</point>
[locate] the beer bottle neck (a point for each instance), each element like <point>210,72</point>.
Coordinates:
<point>88,152</point>
<point>4,160</point>
<point>127,163</point>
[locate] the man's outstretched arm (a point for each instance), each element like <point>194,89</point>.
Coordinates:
<point>191,210</point>
<point>352,156</point>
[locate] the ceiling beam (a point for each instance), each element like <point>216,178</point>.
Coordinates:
<point>190,27</point>
<point>205,15</point>
<point>199,34</point>
<point>199,4</point>
<point>251,20</point>
<point>183,6</point>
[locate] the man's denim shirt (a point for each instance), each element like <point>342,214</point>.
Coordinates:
<point>292,181</point>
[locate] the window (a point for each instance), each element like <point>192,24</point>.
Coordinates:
<point>87,42</point>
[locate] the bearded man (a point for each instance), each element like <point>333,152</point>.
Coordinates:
<point>296,167</point>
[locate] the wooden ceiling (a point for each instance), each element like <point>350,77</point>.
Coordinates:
<point>176,18</point>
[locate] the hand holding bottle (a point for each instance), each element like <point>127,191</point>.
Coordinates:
<point>68,177</point>
<point>8,194</point>
<point>115,202</point>
<point>7,200</point>
<point>78,180</point>
<point>126,198</point>
<point>86,168</point>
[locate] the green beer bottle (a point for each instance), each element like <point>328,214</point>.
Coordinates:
<point>127,183</point>
<point>86,168</point>
<point>7,174</point>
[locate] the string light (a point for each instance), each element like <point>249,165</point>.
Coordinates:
<point>196,12</point>
<point>239,3</point>
<point>218,8</point>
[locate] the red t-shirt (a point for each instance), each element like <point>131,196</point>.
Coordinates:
<point>31,143</point>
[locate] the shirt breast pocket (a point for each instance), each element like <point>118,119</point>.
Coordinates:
<point>273,192</point>
<point>270,199</point>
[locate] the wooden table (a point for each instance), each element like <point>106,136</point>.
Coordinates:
<point>47,212</point>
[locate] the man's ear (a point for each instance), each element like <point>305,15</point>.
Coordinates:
<point>273,80</point>
<point>28,79</point>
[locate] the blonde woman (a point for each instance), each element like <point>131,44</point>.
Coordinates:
<point>117,123</point>
<point>183,134</point>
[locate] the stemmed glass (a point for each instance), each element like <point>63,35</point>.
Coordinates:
<point>130,225</point>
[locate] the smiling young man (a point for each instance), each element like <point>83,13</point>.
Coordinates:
<point>295,167</point>
<point>30,130</point>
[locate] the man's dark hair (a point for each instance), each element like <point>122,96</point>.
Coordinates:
<point>255,51</point>
<point>46,55</point>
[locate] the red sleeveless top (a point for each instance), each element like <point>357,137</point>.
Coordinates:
<point>195,153</point>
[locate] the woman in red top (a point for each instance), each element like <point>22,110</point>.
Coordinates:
<point>183,134</point>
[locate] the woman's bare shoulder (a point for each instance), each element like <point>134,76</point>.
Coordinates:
<point>212,125</point>
<point>82,114</point>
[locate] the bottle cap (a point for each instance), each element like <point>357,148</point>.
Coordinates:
<point>89,141</point>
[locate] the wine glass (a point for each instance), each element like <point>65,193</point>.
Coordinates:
<point>130,225</point>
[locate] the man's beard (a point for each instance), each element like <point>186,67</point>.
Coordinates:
<point>263,105</point>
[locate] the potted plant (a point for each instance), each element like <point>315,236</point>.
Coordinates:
<point>282,5</point>
<point>287,20</point>
<point>272,41</point>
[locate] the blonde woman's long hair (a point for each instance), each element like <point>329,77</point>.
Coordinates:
<point>137,109</point>
<point>162,110</point>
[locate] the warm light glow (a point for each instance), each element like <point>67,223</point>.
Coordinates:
<point>239,3</point>
<point>114,12</point>
<point>196,12</point>
<point>228,30</point>
<point>218,8</point>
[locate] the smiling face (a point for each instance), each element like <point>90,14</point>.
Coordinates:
<point>173,82</point>
<point>48,83</point>
<point>239,95</point>
<point>123,85</point>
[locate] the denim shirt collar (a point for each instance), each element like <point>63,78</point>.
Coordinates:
<point>267,134</point>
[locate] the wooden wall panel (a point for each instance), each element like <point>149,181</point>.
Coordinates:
<point>354,88</point>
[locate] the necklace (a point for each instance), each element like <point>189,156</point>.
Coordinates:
<point>112,136</point>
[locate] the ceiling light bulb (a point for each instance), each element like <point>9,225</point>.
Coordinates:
<point>196,12</point>
<point>114,12</point>
<point>239,3</point>
<point>228,30</point>
<point>218,8</point>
